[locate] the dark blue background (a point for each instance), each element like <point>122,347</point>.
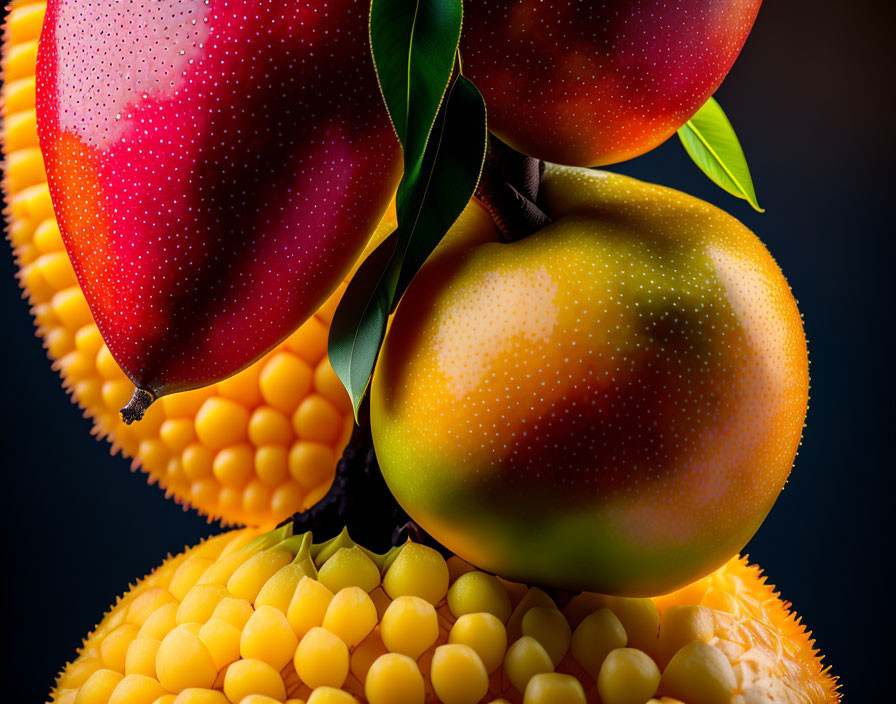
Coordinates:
<point>812,100</point>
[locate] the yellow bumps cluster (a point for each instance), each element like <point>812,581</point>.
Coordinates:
<point>251,450</point>
<point>250,618</point>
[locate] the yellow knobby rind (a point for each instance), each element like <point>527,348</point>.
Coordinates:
<point>737,640</point>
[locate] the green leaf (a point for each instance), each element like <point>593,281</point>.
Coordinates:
<point>427,208</point>
<point>359,322</point>
<point>414,43</point>
<point>453,162</point>
<point>711,142</point>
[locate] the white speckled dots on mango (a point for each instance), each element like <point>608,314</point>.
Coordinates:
<point>627,385</point>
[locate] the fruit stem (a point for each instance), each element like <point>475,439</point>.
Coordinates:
<point>360,500</point>
<point>508,189</point>
<point>136,407</point>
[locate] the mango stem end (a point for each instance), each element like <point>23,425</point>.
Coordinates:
<point>136,407</point>
<point>508,190</point>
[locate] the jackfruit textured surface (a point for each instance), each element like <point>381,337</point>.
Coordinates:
<point>249,617</point>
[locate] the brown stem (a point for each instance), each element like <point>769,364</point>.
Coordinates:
<point>360,500</point>
<point>508,189</point>
<point>136,407</point>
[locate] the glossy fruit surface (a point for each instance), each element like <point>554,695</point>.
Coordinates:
<point>613,403</point>
<point>215,168</point>
<point>260,619</point>
<point>252,449</point>
<point>590,83</point>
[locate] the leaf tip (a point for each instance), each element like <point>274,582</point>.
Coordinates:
<point>710,141</point>
<point>356,406</point>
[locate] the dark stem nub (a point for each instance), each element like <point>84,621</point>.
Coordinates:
<point>140,401</point>
<point>360,500</point>
<point>509,191</point>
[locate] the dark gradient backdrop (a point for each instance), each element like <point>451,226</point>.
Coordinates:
<point>812,100</point>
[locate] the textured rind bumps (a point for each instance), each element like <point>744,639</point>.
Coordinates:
<point>734,640</point>
<point>612,403</point>
<point>591,83</point>
<point>249,450</point>
<point>215,168</point>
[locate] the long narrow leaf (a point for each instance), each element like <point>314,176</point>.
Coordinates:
<point>359,322</point>
<point>414,43</point>
<point>428,206</point>
<point>454,162</point>
<point>711,142</point>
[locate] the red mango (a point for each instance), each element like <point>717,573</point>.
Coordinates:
<point>591,83</point>
<point>216,166</point>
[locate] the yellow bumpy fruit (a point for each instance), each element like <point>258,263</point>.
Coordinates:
<point>250,450</point>
<point>384,631</point>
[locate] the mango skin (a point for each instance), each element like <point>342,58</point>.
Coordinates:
<point>591,83</point>
<point>215,167</point>
<point>612,404</point>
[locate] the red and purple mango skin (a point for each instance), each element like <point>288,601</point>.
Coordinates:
<point>216,166</point>
<point>588,83</point>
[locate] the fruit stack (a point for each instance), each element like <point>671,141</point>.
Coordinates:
<point>575,416</point>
